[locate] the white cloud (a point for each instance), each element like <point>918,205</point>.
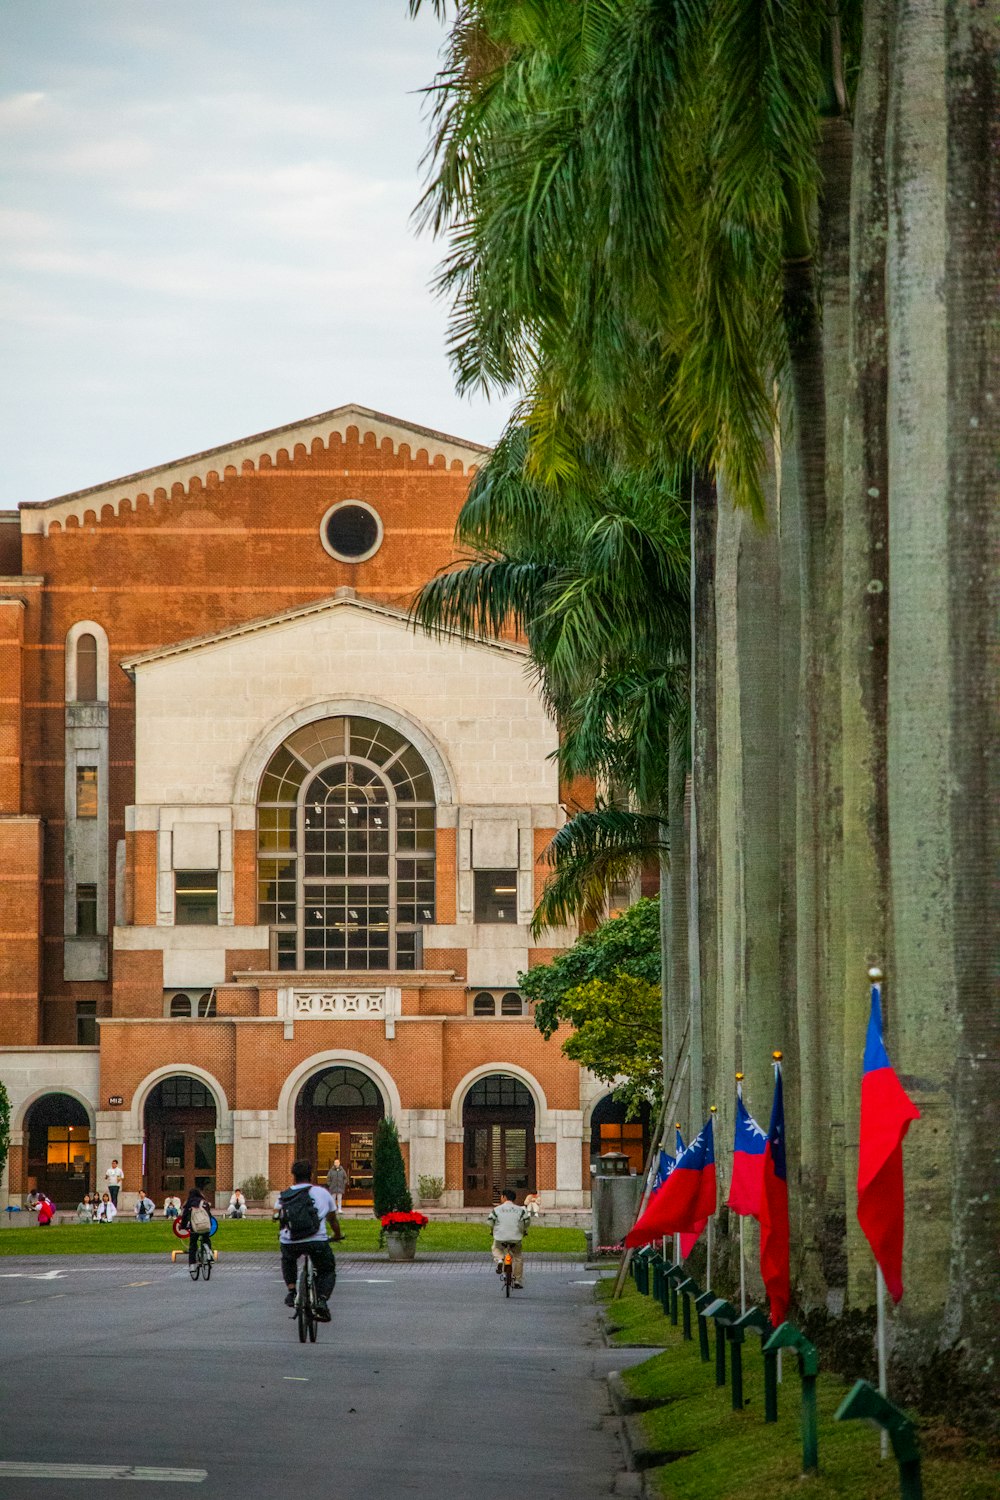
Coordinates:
<point>207,229</point>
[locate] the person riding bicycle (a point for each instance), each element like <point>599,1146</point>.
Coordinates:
<point>304,1210</point>
<point>510,1225</point>
<point>196,1217</point>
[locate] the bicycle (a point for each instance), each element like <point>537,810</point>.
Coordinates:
<point>204,1260</point>
<point>508,1272</point>
<point>307,1302</point>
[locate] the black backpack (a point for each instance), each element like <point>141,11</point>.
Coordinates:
<point>299,1214</point>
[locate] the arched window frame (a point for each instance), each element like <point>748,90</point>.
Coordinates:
<point>291,949</point>
<point>81,628</point>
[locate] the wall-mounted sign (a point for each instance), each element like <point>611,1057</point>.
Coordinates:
<point>116,1099</point>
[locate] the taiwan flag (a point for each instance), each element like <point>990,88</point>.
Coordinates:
<point>686,1200</point>
<point>749,1142</point>
<point>774,1238</point>
<point>663,1169</point>
<point>886,1112</point>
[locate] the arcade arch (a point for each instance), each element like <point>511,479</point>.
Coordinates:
<point>498,1120</point>
<point>58,1147</point>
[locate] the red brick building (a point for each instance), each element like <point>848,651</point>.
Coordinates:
<point>267,855</point>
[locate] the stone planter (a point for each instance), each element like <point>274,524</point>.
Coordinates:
<point>400,1246</point>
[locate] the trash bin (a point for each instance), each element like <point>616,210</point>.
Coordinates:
<point>615,1196</point>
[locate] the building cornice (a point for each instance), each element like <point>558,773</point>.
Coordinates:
<point>257,453</point>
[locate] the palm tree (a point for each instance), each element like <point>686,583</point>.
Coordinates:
<point>594,577</point>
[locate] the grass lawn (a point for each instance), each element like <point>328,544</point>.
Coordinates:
<point>157,1238</point>
<point>726,1455</point>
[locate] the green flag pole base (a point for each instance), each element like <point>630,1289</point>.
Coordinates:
<point>757,1320</point>
<point>864,1402</point>
<point>789,1337</point>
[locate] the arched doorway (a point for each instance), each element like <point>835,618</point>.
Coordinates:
<point>335,1116</point>
<point>499,1120</point>
<point>59,1149</point>
<point>180,1138</point>
<point>610,1131</point>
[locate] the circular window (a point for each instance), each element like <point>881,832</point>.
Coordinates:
<point>351,531</point>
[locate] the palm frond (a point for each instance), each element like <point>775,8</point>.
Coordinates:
<point>591,854</point>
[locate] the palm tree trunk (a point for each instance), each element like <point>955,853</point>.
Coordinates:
<point>865,641</point>
<point>921,1023</point>
<point>836,146</point>
<point>677,913</point>
<point>973,217</point>
<point>703,915</point>
<point>814,484</point>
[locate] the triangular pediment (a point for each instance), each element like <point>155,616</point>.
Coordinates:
<point>344,598</point>
<point>261,447</point>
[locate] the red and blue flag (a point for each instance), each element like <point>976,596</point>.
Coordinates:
<point>886,1112</point>
<point>774,1236</point>
<point>747,1178</point>
<point>664,1167</point>
<point>686,1200</point>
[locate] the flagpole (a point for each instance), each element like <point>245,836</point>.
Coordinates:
<point>711,1222</point>
<point>883,1381</point>
<point>677,1238</point>
<point>875,976</point>
<point>743,1267</point>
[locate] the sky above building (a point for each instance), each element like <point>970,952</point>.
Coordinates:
<point>206,229</point>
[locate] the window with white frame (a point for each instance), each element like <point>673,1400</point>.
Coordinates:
<point>345,854</point>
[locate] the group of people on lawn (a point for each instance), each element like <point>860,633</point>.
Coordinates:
<point>102,1208</point>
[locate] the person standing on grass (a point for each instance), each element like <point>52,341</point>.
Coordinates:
<point>114,1177</point>
<point>336,1184</point>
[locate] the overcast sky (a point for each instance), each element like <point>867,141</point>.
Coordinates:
<point>205,229</point>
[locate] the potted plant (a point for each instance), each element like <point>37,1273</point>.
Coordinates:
<point>392,1202</point>
<point>400,1231</point>
<point>431,1189</point>
<point>255,1190</point>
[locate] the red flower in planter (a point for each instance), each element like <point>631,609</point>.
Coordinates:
<point>402,1223</point>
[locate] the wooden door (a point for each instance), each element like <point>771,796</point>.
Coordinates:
<point>498,1156</point>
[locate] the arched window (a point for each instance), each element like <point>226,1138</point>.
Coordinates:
<point>180,1005</point>
<point>345,824</point>
<point>206,1003</point>
<point>86,668</point>
<point>484,1004</point>
<point>512,1004</point>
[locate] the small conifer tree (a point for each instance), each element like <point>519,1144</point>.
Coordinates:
<point>4,1127</point>
<point>390,1192</point>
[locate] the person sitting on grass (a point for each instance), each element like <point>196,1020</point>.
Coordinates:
<point>237,1206</point>
<point>46,1210</point>
<point>85,1210</point>
<point>145,1208</point>
<point>171,1207</point>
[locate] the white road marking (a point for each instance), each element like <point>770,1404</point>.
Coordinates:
<point>101,1471</point>
<point>379,1280</point>
<point>583,1283</point>
<point>31,1275</point>
<point>304,1378</point>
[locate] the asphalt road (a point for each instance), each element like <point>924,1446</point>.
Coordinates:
<point>427,1385</point>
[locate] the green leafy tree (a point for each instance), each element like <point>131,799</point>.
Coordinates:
<point>390,1192</point>
<point>618,1035</point>
<point>626,945</point>
<point>4,1127</point>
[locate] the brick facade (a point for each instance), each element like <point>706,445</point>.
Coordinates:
<point>209,581</point>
